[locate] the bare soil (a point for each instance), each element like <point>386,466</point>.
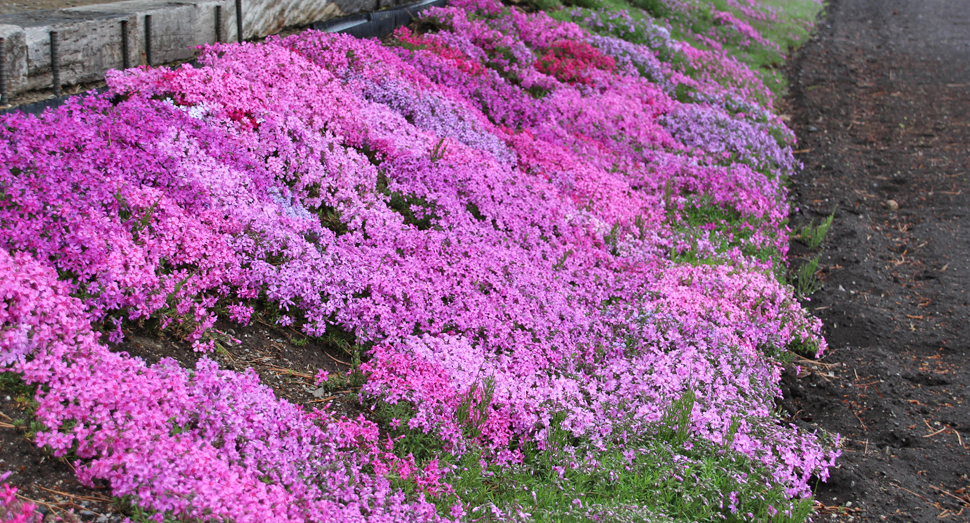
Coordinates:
<point>880,101</point>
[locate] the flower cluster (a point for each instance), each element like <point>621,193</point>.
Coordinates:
<point>194,443</point>
<point>11,509</point>
<point>524,223</point>
<point>569,61</point>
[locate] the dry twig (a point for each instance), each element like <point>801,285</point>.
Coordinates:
<point>99,499</point>
<point>964,501</point>
<point>864,428</point>
<point>911,492</point>
<point>290,372</point>
<point>338,361</point>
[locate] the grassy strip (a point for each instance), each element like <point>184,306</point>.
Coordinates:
<point>667,475</point>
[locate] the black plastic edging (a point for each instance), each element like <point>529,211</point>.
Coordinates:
<point>379,23</point>
<point>370,25</point>
<point>38,108</point>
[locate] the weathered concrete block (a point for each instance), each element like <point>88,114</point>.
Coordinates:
<point>87,46</point>
<point>90,39</point>
<point>266,17</point>
<point>15,66</point>
<point>177,27</point>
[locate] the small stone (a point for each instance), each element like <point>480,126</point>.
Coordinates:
<point>87,513</point>
<point>812,129</point>
<point>892,205</point>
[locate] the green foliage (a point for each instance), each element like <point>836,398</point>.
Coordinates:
<point>812,235</point>
<point>587,4</point>
<point>788,28</point>
<point>612,239</point>
<point>472,411</point>
<point>330,218</point>
<point>724,229</point>
<point>475,211</point>
<point>805,279</point>
<point>394,418</point>
<point>416,210</point>
<point>667,475</point>
<point>128,506</point>
<point>684,93</point>
<point>23,394</point>
<point>537,91</point>
<point>545,5</point>
<point>561,262</point>
<point>470,414</point>
<point>675,425</point>
<point>438,153</point>
<point>655,8</point>
<point>806,349</point>
<point>13,385</point>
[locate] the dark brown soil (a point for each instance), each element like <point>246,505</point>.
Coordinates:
<point>881,105</point>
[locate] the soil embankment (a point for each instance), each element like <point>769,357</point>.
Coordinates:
<point>881,104</point>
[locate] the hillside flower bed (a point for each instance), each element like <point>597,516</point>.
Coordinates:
<point>556,271</point>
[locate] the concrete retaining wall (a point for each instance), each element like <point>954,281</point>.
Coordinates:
<point>90,37</point>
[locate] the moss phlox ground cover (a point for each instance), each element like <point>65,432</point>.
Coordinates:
<point>540,247</point>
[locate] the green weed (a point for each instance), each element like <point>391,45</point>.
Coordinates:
<point>811,235</point>
<point>806,280</point>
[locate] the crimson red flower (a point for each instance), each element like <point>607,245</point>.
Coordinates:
<point>571,61</point>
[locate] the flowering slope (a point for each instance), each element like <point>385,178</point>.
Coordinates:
<point>542,250</point>
<point>722,33</point>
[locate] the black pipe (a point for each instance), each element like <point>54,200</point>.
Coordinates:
<point>239,33</point>
<point>148,39</point>
<point>55,65</point>
<point>218,24</point>
<point>125,60</point>
<point>3,72</point>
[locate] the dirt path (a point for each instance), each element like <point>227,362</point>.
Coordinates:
<point>881,101</point>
